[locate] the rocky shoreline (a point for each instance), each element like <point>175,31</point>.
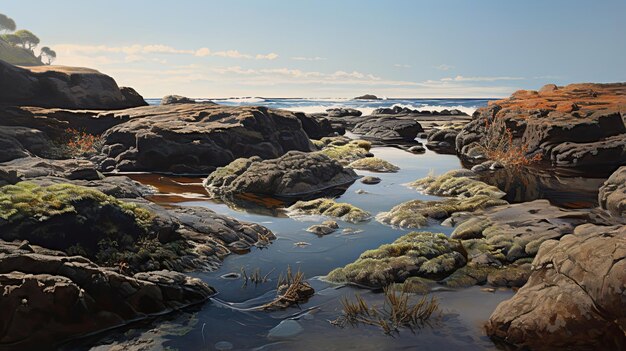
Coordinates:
<point>82,252</point>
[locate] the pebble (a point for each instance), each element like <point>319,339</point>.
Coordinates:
<point>370,180</point>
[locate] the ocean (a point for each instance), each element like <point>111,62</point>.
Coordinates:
<point>315,105</point>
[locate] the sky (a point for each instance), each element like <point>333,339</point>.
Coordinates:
<point>333,49</point>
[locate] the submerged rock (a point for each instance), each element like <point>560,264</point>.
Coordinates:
<point>330,208</point>
<point>417,254</point>
<point>574,298</point>
<point>295,174</point>
<point>328,227</point>
<point>374,164</point>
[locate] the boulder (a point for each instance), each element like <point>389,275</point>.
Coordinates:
<point>28,168</point>
<point>576,126</point>
<point>317,127</point>
<point>18,142</point>
<point>612,194</point>
<point>295,174</point>
<point>574,298</point>
<point>65,87</point>
<point>48,297</point>
<point>343,112</point>
<point>198,138</point>
<point>388,129</point>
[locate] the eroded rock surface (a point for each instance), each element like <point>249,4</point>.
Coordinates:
<point>574,298</point>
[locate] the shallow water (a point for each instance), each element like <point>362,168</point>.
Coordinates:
<point>224,320</point>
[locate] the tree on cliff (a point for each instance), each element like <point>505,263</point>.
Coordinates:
<point>11,39</point>
<point>6,24</point>
<point>29,40</point>
<point>48,54</point>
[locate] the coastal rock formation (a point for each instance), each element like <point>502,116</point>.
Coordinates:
<point>612,194</point>
<point>17,142</point>
<point>576,126</point>
<point>317,127</point>
<point>574,298</point>
<point>374,164</point>
<point>28,168</point>
<point>399,110</point>
<point>367,97</point>
<point>48,297</point>
<point>388,129</point>
<point>65,87</point>
<point>197,138</point>
<point>176,99</point>
<point>330,208</point>
<point>343,112</point>
<point>295,174</point>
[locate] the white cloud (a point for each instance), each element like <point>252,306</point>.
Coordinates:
<point>444,67</point>
<point>478,79</point>
<point>399,65</point>
<point>270,56</point>
<point>303,58</point>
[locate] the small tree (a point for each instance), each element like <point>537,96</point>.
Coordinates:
<point>6,24</point>
<point>48,54</point>
<point>11,39</point>
<point>29,40</point>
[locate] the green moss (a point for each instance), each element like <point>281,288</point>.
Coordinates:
<point>415,213</point>
<point>346,152</point>
<point>27,200</point>
<point>471,229</point>
<point>374,164</point>
<point>456,183</point>
<point>414,285</point>
<point>417,254</point>
<point>468,276</point>
<point>17,55</point>
<point>330,208</point>
<point>225,175</point>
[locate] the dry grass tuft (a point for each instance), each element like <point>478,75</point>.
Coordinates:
<point>292,289</point>
<point>398,311</point>
<point>498,145</point>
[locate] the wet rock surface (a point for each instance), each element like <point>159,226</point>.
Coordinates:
<point>612,194</point>
<point>388,129</point>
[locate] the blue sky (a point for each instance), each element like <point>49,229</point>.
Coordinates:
<point>339,48</point>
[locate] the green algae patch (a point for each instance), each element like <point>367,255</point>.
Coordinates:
<point>416,213</point>
<point>417,254</point>
<point>460,183</point>
<point>374,164</point>
<point>330,208</point>
<point>345,151</point>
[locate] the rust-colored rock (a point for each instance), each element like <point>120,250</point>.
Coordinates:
<point>575,126</point>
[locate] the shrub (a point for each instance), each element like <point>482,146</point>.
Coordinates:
<point>498,144</point>
<point>79,143</point>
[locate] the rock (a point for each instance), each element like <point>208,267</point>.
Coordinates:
<point>576,126</point>
<point>417,213</point>
<point>388,129</point>
<point>417,149</point>
<point>18,142</point>
<point>49,298</point>
<point>197,138</point>
<point>370,180</point>
<point>574,298</point>
<point>461,182</point>
<point>176,99</point>
<point>612,194</point>
<point>442,140</point>
<point>346,151</point>
<point>295,174</point>
<point>28,168</point>
<point>343,112</point>
<point>417,254</point>
<point>65,87</point>
<point>321,229</point>
<point>318,127</point>
<point>330,208</point>
<point>223,346</point>
<point>517,230</point>
<point>366,97</point>
<point>374,164</point>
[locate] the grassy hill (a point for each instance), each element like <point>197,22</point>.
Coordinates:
<point>17,56</point>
